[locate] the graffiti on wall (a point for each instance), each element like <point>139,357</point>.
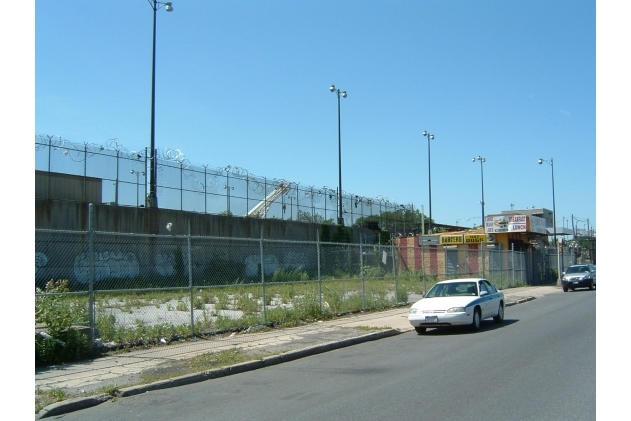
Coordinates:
<point>164,264</point>
<point>292,261</point>
<point>41,260</point>
<point>253,262</point>
<point>107,265</point>
<point>295,261</point>
<point>121,265</point>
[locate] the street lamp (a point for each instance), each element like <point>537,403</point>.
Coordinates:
<point>152,197</point>
<point>429,171</point>
<point>554,214</point>
<point>340,218</point>
<point>482,161</point>
<point>228,188</point>
<point>138,174</point>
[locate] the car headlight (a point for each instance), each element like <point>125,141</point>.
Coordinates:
<point>413,311</point>
<point>456,310</point>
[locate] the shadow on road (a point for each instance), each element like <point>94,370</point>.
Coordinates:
<point>485,326</point>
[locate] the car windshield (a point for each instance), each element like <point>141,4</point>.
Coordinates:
<point>577,269</point>
<point>452,289</point>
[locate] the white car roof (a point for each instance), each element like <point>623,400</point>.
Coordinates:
<point>449,281</point>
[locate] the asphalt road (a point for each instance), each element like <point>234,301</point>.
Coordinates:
<point>540,364</point>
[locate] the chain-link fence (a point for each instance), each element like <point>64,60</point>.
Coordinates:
<point>130,289</point>
<point>227,190</point>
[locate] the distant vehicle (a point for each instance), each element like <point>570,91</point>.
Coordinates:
<point>579,276</point>
<point>457,302</point>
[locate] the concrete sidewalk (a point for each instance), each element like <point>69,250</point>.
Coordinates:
<point>124,370</point>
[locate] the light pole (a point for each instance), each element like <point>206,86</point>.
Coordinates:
<point>403,211</point>
<point>152,197</point>
<point>429,171</point>
<point>554,214</point>
<point>138,174</point>
<point>340,218</point>
<point>228,188</point>
<point>482,161</point>
<point>554,218</point>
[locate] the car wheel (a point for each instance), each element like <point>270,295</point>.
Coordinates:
<point>564,288</point>
<point>420,330</point>
<point>500,314</point>
<point>475,325</point>
<point>591,286</point>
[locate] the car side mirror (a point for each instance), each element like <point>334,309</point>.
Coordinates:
<point>483,293</point>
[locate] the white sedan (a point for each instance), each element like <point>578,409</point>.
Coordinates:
<point>457,302</point>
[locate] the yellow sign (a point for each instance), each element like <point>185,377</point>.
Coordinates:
<point>474,238</point>
<point>451,239</point>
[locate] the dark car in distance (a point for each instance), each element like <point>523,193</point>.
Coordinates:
<point>579,276</point>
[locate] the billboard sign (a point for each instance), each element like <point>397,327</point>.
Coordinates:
<point>428,240</point>
<point>514,223</point>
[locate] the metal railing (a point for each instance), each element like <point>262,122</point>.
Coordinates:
<point>226,190</point>
<point>130,288</point>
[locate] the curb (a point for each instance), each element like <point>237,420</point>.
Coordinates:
<point>252,365</point>
<point>71,405</point>
<point>521,300</point>
<point>87,402</point>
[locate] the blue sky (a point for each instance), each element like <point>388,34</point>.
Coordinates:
<point>246,83</point>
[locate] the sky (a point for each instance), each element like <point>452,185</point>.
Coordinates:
<point>246,83</point>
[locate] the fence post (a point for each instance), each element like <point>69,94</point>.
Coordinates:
<point>91,275</point>
<point>263,275</point>
<point>501,253</point>
<point>483,248</point>
<point>445,265</point>
<point>394,265</point>
<point>361,268</point>
<point>116,182</point>
<point>423,265</point>
<point>182,188</point>
<point>318,245</point>
<point>558,280</point>
<point>512,247</point>
<point>190,275</point>
<point>85,172</point>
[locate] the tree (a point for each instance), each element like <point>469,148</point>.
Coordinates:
<point>395,221</point>
<point>304,216</point>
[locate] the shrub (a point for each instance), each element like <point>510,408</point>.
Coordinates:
<point>282,275</point>
<point>58,313</point>
<point>69,345</point>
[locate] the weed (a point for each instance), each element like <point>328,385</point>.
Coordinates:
<point>181,306</point>
<point>223,301</point>
<point>198,303</point>
<point>109,389</point>
<point>247,304</point>
<point>44,398</point>
<point>198,364</point>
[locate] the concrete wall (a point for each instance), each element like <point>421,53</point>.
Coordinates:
<point>73,215</point>
<point>223,248</point>
<point>67,187</point>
